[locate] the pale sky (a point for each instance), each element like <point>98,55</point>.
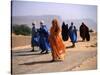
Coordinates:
<point>65,11</point>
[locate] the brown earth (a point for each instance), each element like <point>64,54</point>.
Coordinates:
<point>82,57</point>
<point>20,41</point>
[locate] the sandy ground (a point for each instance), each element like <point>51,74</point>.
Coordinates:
<point>20,41</point>
<point>82,57</point>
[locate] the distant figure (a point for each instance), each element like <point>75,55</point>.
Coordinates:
<point>65,32</point>
<point>35,37</point>
<point>84,32</point>
<point>75,30</point>
<point>44,34</point>
<point>58,48</point>
<point>73,34</point>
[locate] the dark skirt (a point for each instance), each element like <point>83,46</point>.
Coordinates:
<point>65,36</point>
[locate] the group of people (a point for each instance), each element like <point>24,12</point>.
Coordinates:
<point>40,37</point>
<point>52,41</point>
<point>72,33</point>
<point>69,32</point>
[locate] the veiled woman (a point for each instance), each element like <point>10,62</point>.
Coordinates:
<point>43,41</point>
<point>57,46</point>
<point>73,34</point>
<point>84,32</point>
<point>35,37</point>
<point>65,32</point>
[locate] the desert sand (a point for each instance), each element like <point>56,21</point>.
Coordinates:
<point>82,57</point>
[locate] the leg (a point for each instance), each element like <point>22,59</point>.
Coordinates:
<point>73,45</point>
<point>32,49</point>
<point>42,51</point>
<point>87,37</point>
<point>46,52</point>
<point>83,38</point>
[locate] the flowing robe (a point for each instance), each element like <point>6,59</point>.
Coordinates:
<point>84,32</point>
<point>58,48</point>
<point>65,32</point>
<point>72,34</point>
<point>35,37</point>
<point>44,34</point>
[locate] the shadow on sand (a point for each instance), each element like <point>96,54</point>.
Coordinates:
<point>91,46</point>
<point>28,54</point>
<point>74,46</point>
<point>25,51</point>
<point>37,62</point>
<point>70,46</point>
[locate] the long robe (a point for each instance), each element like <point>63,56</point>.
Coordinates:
<point>35,37</point>
<point>58,48</point>
<point>44,43</point>
<point>65,32</point>
<point>84,32</point>
<point>72,34</point>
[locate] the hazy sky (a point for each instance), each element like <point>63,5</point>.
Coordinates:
<point>65,11</point>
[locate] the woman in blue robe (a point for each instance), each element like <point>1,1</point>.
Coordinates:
<point>35,37</point>
<point>73,34</point>
<point>44,42</point>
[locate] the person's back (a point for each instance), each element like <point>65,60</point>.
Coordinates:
<point>71,28</point>
<point>87,34</point>
<point>84,32</point>
<point>64,32</point>
<point>35,37</point>
<point>43,31</point>
<point>73,34</point>
<point>56,43</point>
<point>33,30</point>
<point>75,30</point>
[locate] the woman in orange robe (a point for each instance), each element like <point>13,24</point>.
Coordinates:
<point>58,48</point>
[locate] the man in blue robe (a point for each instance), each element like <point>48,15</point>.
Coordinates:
<point>44,42</point>
<point>35,37</point>
<point>73,34</point>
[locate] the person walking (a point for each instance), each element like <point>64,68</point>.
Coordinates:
<point>84,32</point>
<point>44,34</point>
<point>73,34</point>
<point>35,37</point>
<point>56,43</point>
<point>64,32</point>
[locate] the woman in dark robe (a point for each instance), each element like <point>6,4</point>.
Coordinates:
<point>84,32</point>
<point>65,32</point>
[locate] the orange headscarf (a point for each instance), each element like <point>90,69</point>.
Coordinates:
<point>55,29</point>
